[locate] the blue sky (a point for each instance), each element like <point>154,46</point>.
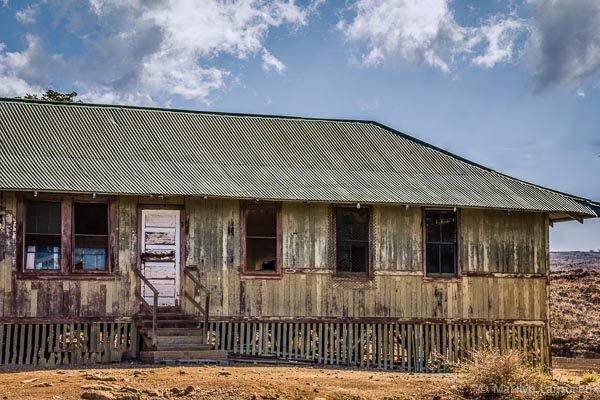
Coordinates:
<point>514,85</point>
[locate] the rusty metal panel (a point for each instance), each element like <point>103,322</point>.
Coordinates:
<point>128,150</point>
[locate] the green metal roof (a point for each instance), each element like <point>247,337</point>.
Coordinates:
<point>77,147</point>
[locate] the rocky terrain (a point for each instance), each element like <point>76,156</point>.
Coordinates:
<point>136,382</point>
<point>251,382</point>
<point>575,304</point>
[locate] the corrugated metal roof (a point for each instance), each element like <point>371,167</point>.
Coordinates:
<point>134,150</point>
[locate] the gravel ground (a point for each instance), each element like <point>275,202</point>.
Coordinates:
<point>235,382</point>
<point>136,381</point>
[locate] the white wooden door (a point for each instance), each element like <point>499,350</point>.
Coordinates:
<point>161,255</point>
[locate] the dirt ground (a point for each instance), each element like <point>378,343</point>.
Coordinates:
<point>136,381</point>
<point>575,304</point>
<point>232,382</point>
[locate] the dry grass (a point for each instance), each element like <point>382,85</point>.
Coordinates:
<point>492,374</point>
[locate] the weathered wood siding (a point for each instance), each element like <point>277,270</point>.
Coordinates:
<point>500,253</point>
<point>504,264</point>
<point>71,297</point>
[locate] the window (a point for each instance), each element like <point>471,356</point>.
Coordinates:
<point>441,243</point>
<point>64,234</point>
<point>90,227</point>
<point>260,228</point>
<point>352,241</point>
<point>43,236</point>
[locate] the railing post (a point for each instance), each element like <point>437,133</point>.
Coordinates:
<point>206,307</point>
<point>199,287</point>
<point>154,311</point>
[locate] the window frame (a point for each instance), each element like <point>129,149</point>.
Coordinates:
<point>440,277</point>
<point>337,275</point>
<point>60,234</point>
<point>244,273</point>
<point>67,251</point>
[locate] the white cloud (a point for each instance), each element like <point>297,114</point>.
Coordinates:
<point>26,15</point>
<point>270,62</point>
<point>189,37</point>
<point>147,51</point>
<point>580,92</point>
<point>500,33</point>
<point>106,96</point>
<point>22,72</point>
<point>426,32</point>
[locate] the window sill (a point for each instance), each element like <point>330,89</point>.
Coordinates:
<point>249,276</point>
<point>61,276</point>
<point>441,278</point>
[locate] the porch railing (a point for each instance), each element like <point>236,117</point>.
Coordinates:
<point>193,273</point>
<point>152,308</point>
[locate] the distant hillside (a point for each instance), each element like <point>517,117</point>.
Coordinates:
<point>575,303</point>
<point>569,260</point>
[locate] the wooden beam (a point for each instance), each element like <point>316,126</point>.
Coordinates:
<point>575,217</point>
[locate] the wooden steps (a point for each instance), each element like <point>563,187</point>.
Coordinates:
<point>182,356</point>
<point>178,338</point>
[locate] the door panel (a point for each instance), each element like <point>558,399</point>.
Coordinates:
<point>160,246</point>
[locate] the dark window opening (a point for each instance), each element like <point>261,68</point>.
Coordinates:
<point>90,232</point>
<point>42,236</point>
<point>261,239</point>
<point>352,241</point>
<point>441,253</point>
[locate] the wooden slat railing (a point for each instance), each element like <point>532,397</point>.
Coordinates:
<point>416,347</point>
<point>51,344</point>
<point>192,272</point>
<point>152,308</point>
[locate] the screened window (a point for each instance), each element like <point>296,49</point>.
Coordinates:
<point>441,243</point>
<point>42,236</point>
<point>260,228</point>
<point>352,241</point>
<point>90,228</point>
<point>62,234</point>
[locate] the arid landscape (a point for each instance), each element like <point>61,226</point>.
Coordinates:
<point>134,382</point>
<point>575,304</point>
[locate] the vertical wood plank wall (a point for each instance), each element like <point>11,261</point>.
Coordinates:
<point>70,296</point>
<point>504,260</point>
<point>504,271</point>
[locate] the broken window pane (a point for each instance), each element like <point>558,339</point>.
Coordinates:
<point>42,236</point>
<point>261,221</point>
<point>261,239</point>
<point>447,258</point>
<point>352,240</point>
<point>441,252</point>
<point>90,227</point>
<point>261,254</point>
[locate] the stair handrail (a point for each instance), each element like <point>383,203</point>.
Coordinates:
<point>198,286</point>
<point>154,307</point>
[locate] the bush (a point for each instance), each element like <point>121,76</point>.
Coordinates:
<point>590,377</point>
<point>492,374</point>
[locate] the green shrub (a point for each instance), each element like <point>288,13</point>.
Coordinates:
<point>590,377</point>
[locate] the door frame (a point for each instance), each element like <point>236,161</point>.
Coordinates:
<point>182,243</point>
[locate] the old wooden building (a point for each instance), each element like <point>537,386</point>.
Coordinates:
<point>170,234</point>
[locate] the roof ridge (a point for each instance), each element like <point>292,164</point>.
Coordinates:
<point>179,110</point>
